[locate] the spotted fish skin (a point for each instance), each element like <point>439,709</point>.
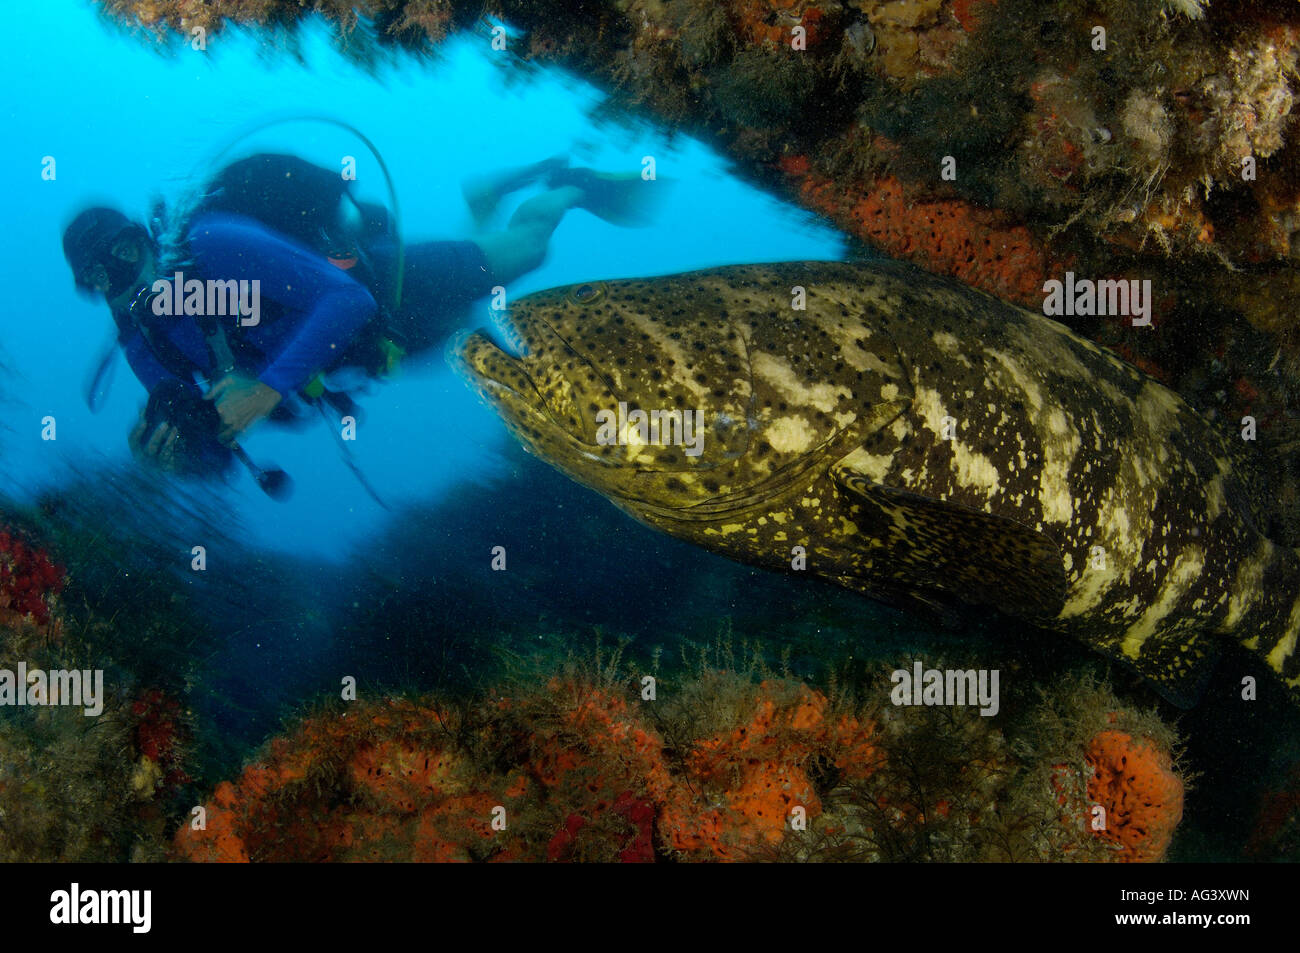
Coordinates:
<point>919,441</point>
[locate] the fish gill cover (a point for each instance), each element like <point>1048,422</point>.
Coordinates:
<point>1001,584</point>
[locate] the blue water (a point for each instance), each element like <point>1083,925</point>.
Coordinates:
<point>125,124</point>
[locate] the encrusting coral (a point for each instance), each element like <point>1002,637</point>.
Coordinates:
<point>572,769</point>
<point>29,580</point>
<point>89,779</point>
<point>585,764</point>
<point>1076,110</point>
<point>378,783</point>
<point>753,778</point>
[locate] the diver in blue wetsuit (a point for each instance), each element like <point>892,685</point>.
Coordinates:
<point>325,266</point>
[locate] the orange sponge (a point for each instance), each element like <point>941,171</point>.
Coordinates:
<point>947,236</point>
<point>1134,781</point>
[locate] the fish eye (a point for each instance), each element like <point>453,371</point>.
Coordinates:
<point>587,292</point>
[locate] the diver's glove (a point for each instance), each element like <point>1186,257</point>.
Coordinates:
<point>178,431</point>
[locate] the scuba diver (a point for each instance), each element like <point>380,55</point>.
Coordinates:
<point>334,288</point>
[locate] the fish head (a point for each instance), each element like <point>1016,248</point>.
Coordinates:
<point>684,393</point>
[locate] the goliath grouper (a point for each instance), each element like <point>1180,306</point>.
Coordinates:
<point>923,443</point>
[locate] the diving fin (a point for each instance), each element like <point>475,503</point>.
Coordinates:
<point>623,199</point>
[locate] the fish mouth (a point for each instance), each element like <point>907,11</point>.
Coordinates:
<point>493,371</point>
<point>517,389</point>
<point>528,397</point>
